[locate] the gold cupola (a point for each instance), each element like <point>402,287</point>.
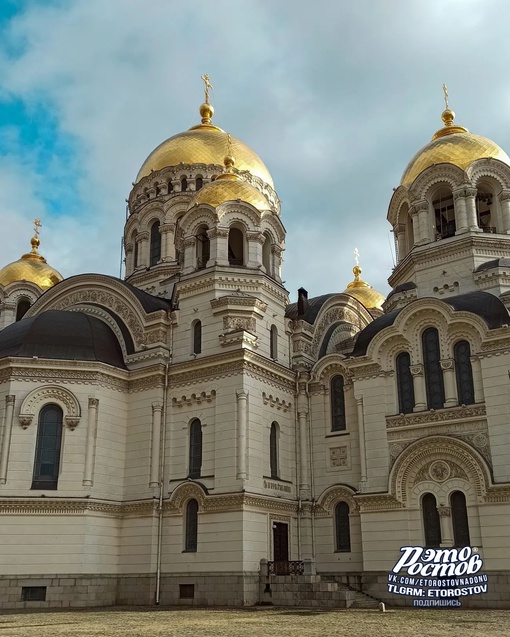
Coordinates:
<point>229,186</point>
<point>362,291</point>
<point>203,144</point>
<point>452,145</point>
<point>32,267</point>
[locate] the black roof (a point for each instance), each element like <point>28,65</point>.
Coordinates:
<point>403,287</point>
<point>56,334</point>
<point>312,311</point>
<point>495,263</point>
<point>485,305</point>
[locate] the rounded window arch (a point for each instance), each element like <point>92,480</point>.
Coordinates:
<point>184,184</point>
<point>464,373</point>
<point>444,213</point>
<point>196,337</point>
<point>405,385</point>
<point>236,248</point>
<point>338,421</point>
<point>199,183</point>
<point>431,521</point>
<point>22,307</point>
<point>434,381</point>
<point>460,519</point>
<point>273,342</point>
<point>274,450</point>
<point>342,528</point>
<point>170,186</point>
<point>203,247</point>
<point>195,448</point>
<point>155,249</point>
<point>191,527</point>
<point>488,212</point>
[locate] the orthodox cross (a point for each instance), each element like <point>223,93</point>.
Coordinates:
<point>37,225</point>
<point>208,86</point>
<point>356,256</point>
<point>445,91</point>
<point>229,144</point>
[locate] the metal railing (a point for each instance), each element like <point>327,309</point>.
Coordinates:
<point>286,568</point>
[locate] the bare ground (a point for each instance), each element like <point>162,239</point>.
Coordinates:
<point>279,622</point>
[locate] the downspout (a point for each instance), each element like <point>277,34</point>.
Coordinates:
<point>312,477</point>
<point>161,486</point>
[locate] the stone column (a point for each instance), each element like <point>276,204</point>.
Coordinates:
<point>255,242</point>
<point>476,367</point>
<point>459,202</point>
<point>143,249</point>
<point>90,444</point>
<point>304,457</point>
<point>420,400</point>
<point>6,438</point>
<point>190,254</point>
<point>276,256</point>
<point>472,221</point>
<point>399,232</point>
<point>504,206</point>
<point>242,408</point>
<point>129,258</point>
<point>219,246</point>
<point>157,410</point>
<point>167,241</point>
<point>450,385</point>
<point>361,434</point>
<point>416,225</point>
<point>445,521</point>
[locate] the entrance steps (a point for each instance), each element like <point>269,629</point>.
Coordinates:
<point>312,591</point>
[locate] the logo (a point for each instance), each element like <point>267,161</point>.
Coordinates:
<point>437,577</point>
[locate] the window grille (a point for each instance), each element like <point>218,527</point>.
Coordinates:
<point>48,445</point>
<point>342,527</point>
<point>195,449</point>
<point>464,373</point>
<point>433,373</point>
<point>191,526</point>
<point>405,383</point>
<point>338,422</point>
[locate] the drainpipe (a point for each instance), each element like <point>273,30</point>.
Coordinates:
<point>161,487</point>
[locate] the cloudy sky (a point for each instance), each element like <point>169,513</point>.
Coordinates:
<point>334,95</point>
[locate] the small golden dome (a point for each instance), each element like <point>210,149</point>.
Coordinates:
<point>203,144</point>
<point>363,292</point>
<point>453,145</point>
<point>32,267</point>
<point>230,187</point>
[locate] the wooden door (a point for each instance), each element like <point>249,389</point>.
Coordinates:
<point>281,548</point>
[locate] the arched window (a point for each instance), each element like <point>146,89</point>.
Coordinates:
<point>191,540</point>
<point>184,184</point>
<point>170,186</point>
<point>431,521</point>
<point>235,247</point>
<point>22,308</point>
<point>199,182</point>
<point>484,215</point>
<point>197,337</point>
<point>273,344</point>
<point>274,451</point>
<point>444,214</point>
<point>203,247</point>
<point>404,383</point>
<point>464,373</point>
<point>47,449</point>
<point>342,528</point>
<point>155,243</point>
<point>338,422</point>
<point>135,250</point>
<point>195,449</point>
<point>459,519</point>
<point>433,372</point>
<point>266,255</point>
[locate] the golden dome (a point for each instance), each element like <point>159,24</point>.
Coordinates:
<point>203,144</point>
<point>453,145</point>
<point>363,292</point>
<point>32,267</point>
<point>230,187</point>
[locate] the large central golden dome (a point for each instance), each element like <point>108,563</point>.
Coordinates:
<point>204,144</point>
<point>453,145</point>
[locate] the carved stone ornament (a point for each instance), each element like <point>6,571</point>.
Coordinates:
<point>444,512</point>
<point>279,403</point>
<point>25,420</point>
<point>338,456</point>
<point>37,398</point>
<point>71,422</point>
<point>235,323</point>
<point>439,471</point>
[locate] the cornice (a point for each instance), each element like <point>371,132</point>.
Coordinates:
<point>451,414</point>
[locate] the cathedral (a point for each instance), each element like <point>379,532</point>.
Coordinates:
<point>187,435</point>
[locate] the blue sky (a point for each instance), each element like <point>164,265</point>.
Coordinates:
<point>336,97</point>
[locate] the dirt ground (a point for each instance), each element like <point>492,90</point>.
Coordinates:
<point>129,622</point>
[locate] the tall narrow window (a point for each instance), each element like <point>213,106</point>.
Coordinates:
<point>444,212</point>
<point>464,373</point>
<point>191,542</point>
<point>433,372</point>
<point>273,342</point>
<point>155,243</point>
<point>47,451</point>
<point>22,308</point>
<point>404,383</point>
<point>459,519</point>
<point>199,183</point>
<point>203,247</point>
<point>195,449</point>
<point>342,528</point>
<point>431,521</point>
<point>266,254</point>
<point>338,422</point>
<point>197,337</point>
<point>235,247</point>
<point>170,186</point>
<point>274,451</point>
<point>184,184</point>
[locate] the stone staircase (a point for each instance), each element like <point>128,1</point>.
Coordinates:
<point>312,591</point>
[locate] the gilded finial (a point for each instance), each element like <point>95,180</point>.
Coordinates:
<point>445,91</point>
<point>208,85</point>
<point>356,269</point>
<point>229,160</point>
<point>35,242</point>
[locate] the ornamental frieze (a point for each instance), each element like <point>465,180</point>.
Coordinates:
<point>442,415</point>
<point>195,398</point>
<point>278,403</point>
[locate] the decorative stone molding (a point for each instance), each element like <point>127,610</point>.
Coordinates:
<point>444,512</point>
<point>331,496</point>
<point>239,337</point>
<point>440,416</point>
<point>198,399</point>
<point>236,323</point>
<point>279,403</point>
<point>37,398</point>
<point>383,502</point>
<point>339,457</point>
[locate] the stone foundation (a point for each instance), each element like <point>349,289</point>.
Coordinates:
<point>497,596</point>
<point>79,591</point>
